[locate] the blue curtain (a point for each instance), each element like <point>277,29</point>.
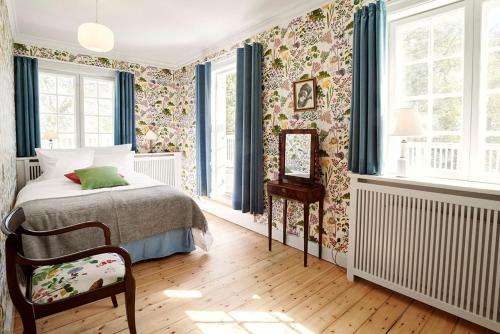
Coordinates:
<point>248,190</point>
<point>27,113</point>
<point>369,50</point>
<point>203,129</point>
<point>125,109</point>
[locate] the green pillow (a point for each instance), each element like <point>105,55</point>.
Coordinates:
<point>100,177</point>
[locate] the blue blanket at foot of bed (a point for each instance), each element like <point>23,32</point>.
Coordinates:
<point>161,245</point>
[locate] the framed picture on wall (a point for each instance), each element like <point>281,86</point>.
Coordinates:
<point>304,94</point>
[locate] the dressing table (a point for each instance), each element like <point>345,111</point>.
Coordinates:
<point>298,180</point>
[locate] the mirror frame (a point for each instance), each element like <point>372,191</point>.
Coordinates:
<point>314,163</point>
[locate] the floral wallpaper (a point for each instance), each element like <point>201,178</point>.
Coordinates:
<point>317,44</point>
<point>7,152</point>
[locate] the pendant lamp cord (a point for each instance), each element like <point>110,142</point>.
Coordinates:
<point>96,3</point>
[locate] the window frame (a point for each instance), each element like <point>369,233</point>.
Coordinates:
<point>403,13</point>
<point>79,72</point>
<point>224,66</point>
<point>82,105</point>
<point>75,102</point>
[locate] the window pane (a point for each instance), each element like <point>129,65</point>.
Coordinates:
<point>91,124</point>
<point>105,107</point>
<point>48,122</point>
<point>48,104</point>
<point>47,83</point>
<point>415,43</point>
<point>66,105</point>
<point>65,141</point>
<point>90,106</point>
<point>91,139</point>
<point>65,85</point>
<point>416,80</point>
<point>493,113</point>
<point>105,89</point>
<point>447,114</point>
<point>493,25</point>
<point>89,88</point>
<point>66,124</point>
<point>448,76</point>
<point>106,140</point>
<point>494,69</point>
<point>105,125</point>
<point>448,37</point>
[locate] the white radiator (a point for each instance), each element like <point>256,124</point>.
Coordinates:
<point>434,246</point>
<point>164,167</point>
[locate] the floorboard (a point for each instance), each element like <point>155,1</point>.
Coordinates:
<point>240,287</point>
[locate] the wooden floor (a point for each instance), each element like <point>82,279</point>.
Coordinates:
<point>240,287</point>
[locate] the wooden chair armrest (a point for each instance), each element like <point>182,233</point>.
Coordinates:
<point>77,256</point>
<point>71,228</point>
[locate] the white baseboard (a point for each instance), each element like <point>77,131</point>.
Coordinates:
<point>248,221</point>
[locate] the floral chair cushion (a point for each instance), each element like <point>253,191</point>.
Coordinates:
<point>52,283</point>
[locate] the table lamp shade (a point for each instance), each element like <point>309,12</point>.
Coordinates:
<point>408,123</point>
<point>50,135</point>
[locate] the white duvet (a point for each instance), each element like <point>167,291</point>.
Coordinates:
<point>63,187</point>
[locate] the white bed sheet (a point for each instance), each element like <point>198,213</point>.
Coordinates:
<point>63,187</point>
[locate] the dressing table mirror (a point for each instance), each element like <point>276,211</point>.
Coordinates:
<point>299,161</point>
<point>299,176</point>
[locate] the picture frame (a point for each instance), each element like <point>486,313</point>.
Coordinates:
<point>304,95</point>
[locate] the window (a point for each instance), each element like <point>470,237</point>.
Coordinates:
<point>78,107</point>
<point>450,73</point>
<point>98,112</point>
<point>223,99</point>
<point>57,108</point>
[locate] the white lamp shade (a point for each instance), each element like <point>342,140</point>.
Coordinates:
<point>96,37</point>
<point>408,123</point>
<point>50,135</point>
<point>150,135</point>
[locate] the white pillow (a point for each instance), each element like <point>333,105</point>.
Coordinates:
<point>56,163</point>
<point>123,160</point>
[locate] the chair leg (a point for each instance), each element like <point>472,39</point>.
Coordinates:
<point>29,324</point>
<point>130,304</point>
<point>115,302</point>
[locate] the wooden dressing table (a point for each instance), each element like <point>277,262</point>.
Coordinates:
<point>298,180</point>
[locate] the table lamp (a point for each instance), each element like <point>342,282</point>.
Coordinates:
<point>50,135</point>
<point>408,124</point>
<point>151,136</point>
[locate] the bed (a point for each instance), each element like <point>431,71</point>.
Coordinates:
<point>147,218</point>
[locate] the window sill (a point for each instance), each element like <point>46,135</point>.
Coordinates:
<point>453,185</point>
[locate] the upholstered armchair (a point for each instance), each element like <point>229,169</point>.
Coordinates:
<point>41,287</point>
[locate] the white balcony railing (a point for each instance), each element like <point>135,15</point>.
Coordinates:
<point>447,156</point>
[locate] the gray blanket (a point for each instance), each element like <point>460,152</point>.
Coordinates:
<point>130,214</point>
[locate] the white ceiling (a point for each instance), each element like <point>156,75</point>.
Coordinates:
<point>165,33</point>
